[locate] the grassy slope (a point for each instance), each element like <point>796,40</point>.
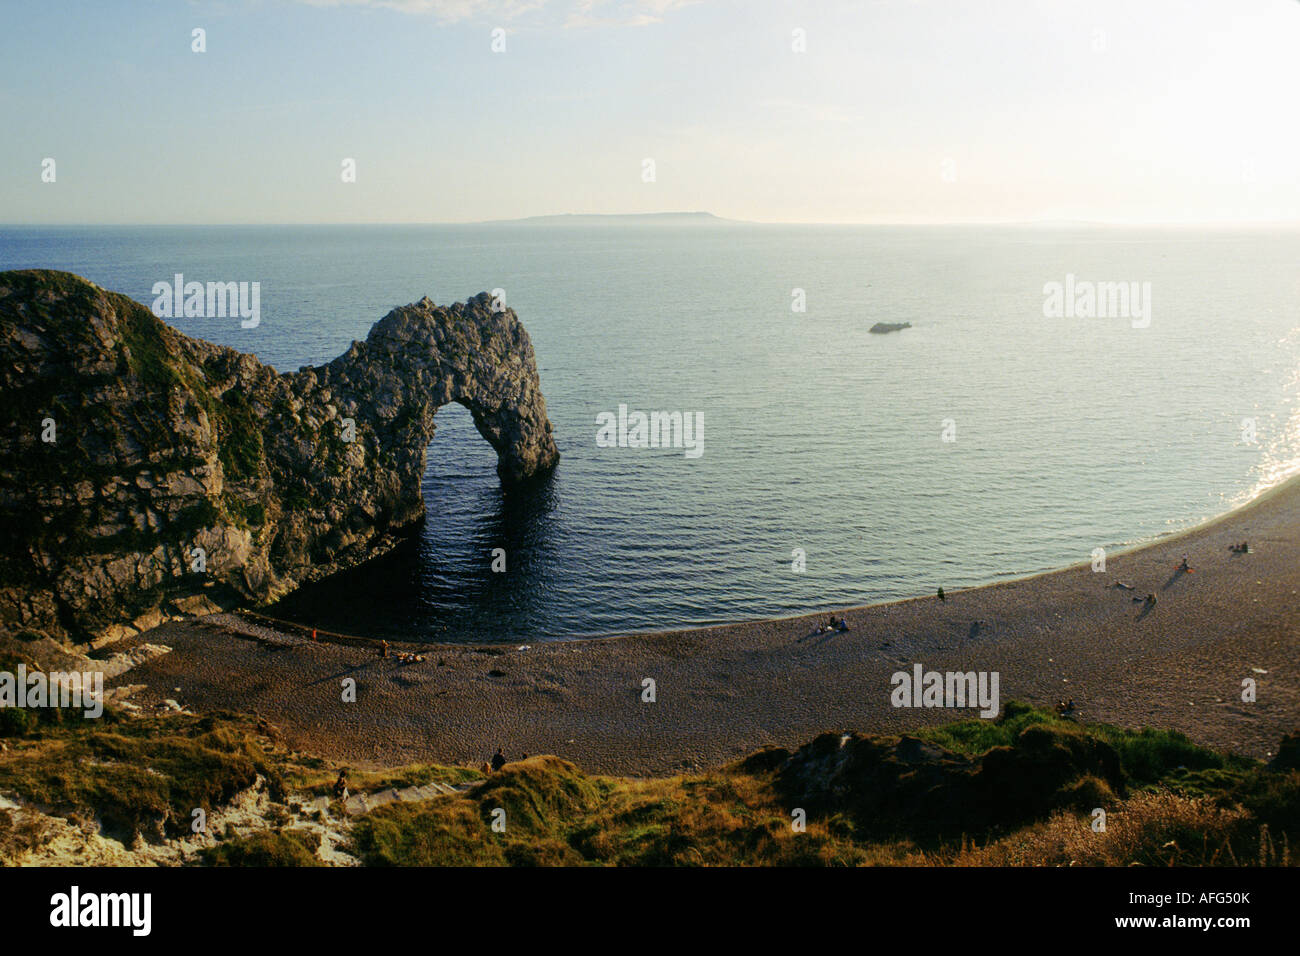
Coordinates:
<point>1187,806</point>
<point>1182,804</point>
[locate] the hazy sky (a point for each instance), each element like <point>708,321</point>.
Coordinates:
<point>898,111</point>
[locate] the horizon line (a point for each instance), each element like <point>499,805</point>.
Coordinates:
<point>1045,222</point>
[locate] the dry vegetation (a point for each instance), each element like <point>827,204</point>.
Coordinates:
<point>1018,791</point>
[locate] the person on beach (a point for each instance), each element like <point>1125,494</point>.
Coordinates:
<point>383,648</point>
<point>1184,566</point>
<point>498,760</point>
<point>941,597</point>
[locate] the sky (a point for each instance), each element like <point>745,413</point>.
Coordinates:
<point>917,111</point>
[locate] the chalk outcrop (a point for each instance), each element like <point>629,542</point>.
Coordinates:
<point>144,473</point>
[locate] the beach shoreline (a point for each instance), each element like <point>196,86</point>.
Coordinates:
<point>725,690</point>
<point>326,636</point>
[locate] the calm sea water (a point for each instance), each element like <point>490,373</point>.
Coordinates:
<point>1071,434</point>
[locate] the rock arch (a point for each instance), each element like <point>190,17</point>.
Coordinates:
<point>169,443</point>
<point>426,356</point>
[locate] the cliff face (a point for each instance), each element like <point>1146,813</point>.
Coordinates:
<point>127,445</point>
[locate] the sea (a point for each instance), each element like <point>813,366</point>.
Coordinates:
<point>1011,429</point>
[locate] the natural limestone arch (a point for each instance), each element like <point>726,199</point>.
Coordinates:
<point>169,443</point>
<point>421,357</point>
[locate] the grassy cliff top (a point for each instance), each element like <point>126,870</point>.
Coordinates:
<point>1167,801</point>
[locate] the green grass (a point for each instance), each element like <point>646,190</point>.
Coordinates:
<point>246,515</point>
<point>1183,804</point>
<point>1148,757</point>
<point>1164,756</point>
<point>240,436</point>
<point>284,848</point>
<point>151,358</point>
<point>143,775</point>
<point>555,815</point>
<point>21,722</point>
<point>316,777</point>
<point>974,737</point>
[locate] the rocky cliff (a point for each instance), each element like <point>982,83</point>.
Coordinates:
<point>144,473</point>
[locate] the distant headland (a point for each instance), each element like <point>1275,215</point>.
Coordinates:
<point>618,219</point>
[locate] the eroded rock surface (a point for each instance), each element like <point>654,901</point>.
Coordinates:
<point>127,445</point>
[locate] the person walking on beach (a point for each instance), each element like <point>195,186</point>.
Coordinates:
<point>498,760</point>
